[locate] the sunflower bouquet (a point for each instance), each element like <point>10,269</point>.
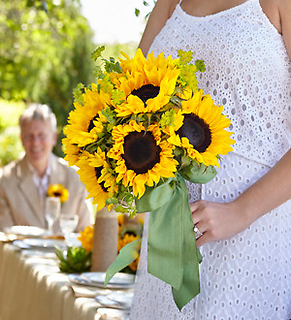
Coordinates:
<point>136,134</point>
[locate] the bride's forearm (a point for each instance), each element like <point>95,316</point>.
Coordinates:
<point>273,189</point>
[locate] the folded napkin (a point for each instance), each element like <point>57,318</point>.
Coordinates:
<point>87,291</point>
<point>112,314</point>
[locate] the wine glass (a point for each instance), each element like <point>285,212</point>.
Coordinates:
<point>52,211</point>
<point>68,224</point>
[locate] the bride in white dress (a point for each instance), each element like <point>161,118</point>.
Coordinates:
<point>245,214</point>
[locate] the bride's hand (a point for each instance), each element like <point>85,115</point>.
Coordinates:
<point>218,221</point>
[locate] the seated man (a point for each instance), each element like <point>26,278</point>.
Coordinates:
<point>24,183</point>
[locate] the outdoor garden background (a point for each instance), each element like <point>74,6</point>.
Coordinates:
<point>45,51</point>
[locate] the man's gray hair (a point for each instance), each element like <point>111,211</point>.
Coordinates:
<point>36,111</point>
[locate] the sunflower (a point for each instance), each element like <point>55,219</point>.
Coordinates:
<point>139,63</point>
<point>58,191</point>
<point>86,238</point>
<point>142,158</point>
<point>147,84</point>
<point>85,121</point>
<point>72,151</point>
<point>94,172</point>
<point>202,135</point>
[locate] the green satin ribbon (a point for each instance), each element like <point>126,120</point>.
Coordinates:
<point>172,253</point>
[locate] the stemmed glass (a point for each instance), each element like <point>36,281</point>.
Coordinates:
<point>68,224</point>
<point>52,211</point>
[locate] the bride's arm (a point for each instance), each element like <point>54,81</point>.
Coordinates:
<point>278,12</point>
<point>285,13</point>
<point>220,221</point>
<point>160,14</point>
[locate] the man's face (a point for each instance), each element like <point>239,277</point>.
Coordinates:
<point>38,140</point>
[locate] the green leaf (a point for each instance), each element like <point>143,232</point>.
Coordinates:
<point>126,256</point>
<point>198,173</point>
<point>96,54</point>
<point>78,93</point>
<point>200,65</point>
<point>98,72</point>
<point>185,56</point>
<point>137,12</point>
<point>109,114</point>
<point>157,196</point>
<point>117,96</point>
<point>167,119</point>
<point>112,66</point>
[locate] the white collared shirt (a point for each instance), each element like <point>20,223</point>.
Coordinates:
<point>41,183</point>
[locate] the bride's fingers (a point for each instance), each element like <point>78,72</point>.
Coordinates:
<point>202,240</point>
<point>195,212</point>
<point>198,231</point>
<point>196,218</point>
<point>196,205</point>
<point>200,227</point>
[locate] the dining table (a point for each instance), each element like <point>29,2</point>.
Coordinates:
<point>32,287</point>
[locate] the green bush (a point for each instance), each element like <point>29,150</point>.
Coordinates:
<point>10,143</point>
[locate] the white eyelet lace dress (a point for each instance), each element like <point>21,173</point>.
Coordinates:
<point>247,71</point>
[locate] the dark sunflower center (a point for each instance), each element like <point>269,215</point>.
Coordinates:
<point>98,174</point>
<point>148,91</point>
<point>57,194</point>
<point>197,132</point>
<point>91,124</point>
<point>140,151</point>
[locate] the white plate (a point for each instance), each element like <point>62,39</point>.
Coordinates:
<point>124,298</point>
<point>118,300</point>
<point>44,243</point>
<point>77,279</point>
<point>27,231</point>
<point>118,281</point>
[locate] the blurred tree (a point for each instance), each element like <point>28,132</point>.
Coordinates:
<point>45,51</point>
<point>10,144</point>
<point>146,3</point>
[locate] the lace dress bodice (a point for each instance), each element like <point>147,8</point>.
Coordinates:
<point>248,71</point>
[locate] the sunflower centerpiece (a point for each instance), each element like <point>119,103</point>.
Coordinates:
<point>136,134</point>
<point>58,191</point>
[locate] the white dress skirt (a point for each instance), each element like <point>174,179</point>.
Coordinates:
<point>248,72</point>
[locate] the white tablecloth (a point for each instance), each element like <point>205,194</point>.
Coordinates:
<point>33,288</point>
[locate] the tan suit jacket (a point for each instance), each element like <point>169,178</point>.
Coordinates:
<point>19,199</point>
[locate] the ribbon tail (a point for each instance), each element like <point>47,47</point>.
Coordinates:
<point>190,284</point>
<point>172,253</point>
